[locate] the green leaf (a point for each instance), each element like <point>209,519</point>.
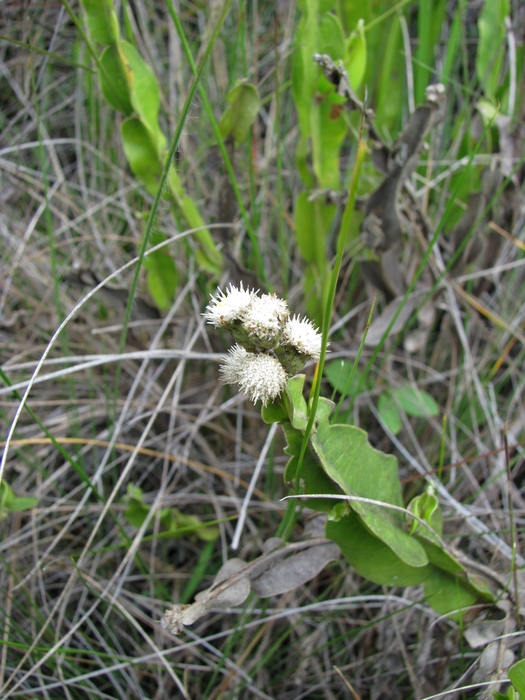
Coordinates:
<point>312,224</point>
<point>355,55</point>
<point>129,85</point>
<point>295,402</point>
<point>136,513</point>
<point>447,593</point>
<point>339,372</point>
<point>360,470</point>
<point>102,21</point>
<point>162,275</point>
<point>328,130</point>
<point>488,111</point>
<point>370,556</point>
<point>243,106</point>
<point>313,477</point>
<point>208,256</point>
<point>179,524</point>
<point>438,556</point>
<point>426,507</point>
<point>517,676</point>
<point>388,412</point>
<point>174,523</point>
<point>325,5</point>
<point>11,503</point>
<point>415,402</point>
<point>331,38</point>
<point>273,413</point>
<point>143,90</point>
<point>491,47</point>
<point>114,80</point>
<point>6,495</point>
<point>509,695</point>
<point>390,91</point>
<point>141,151</point>
<point>20,503</point>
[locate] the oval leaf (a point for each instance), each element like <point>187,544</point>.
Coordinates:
<point>355,55</point>
<point>360,470</point>
<point>114,80</point>
<point>371,557</point>
<point>388,413</point>
<point>517,677</point>
<point>102,21</point>
<point>141,151</point>
<point>491,46</point>
<point>243,106</point>
<point>162,274</point>
<point>415,402</point>
<point>143,90</point>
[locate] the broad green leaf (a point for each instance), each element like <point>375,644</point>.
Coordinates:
<point>314,292</point>
<point>360,470</point>
<point>305,72</point>
<point>114,80</point>
<point>509,695</point>
<point>143,90</point>
<point>430,17</point>
<point>491,46</point>
<point>6,495</point>
<point>447,593</point>
<point>136,513</point>
<point>389,93</point>
<point>371,557</point>
<point>313,478</point>
<point>208,256</point>
<point>102,21</point>
<point>129,85</point>
<point>439,557</point>
<point>327,126</point>
<point>389,413</point>
<point>273,413</point>
<point>141,151</point>
<point>328,130</point>
<point>302,160</point>
<point>11,503</point>
<point>20,503</point>
<point>415,402</point>
<point>331,36</point>
<point>517,676</point>
<point>312,224</point>
<point>242,109</point>
<point>162,275</point>
<point>339,373</point>
<point>355,55</point>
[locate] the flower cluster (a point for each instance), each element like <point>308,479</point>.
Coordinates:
<point>271,346</point>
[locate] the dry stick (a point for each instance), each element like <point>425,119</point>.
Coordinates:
<point>246,502</point>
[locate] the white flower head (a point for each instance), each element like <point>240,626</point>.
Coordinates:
<point>264,319</point>
<point>303,336</point>
<point>260,376</point>
<point>226,308</point>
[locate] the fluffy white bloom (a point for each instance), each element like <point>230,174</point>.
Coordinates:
<point>224,309</point>
<point>264,319</point>
<point>260,376</point>
<point>302,335</point>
